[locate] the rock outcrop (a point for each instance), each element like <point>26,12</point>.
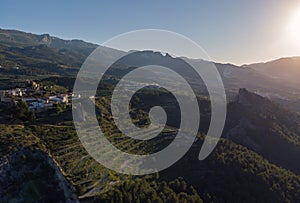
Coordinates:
<point>33,175</point>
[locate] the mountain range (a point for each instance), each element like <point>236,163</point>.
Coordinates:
<point>46,55</point>
<point>256,160</point>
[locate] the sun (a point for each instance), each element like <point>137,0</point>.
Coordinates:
<point>294,27</point>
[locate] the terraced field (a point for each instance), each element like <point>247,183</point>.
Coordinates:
<point>87,175</point>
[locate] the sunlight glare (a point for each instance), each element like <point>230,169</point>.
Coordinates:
<point>294,28</point>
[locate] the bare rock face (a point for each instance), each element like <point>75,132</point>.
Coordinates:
<point>45,39</point>
<point>33,176</point>
<point>245,97</point>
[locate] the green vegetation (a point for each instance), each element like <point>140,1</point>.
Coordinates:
<point>25,171</point>
<point>232,173</point>
<point>271,129</point>
<point>255,161</point>
<point>141,190</point>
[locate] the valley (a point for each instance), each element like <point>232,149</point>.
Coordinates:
<point>256,160</point>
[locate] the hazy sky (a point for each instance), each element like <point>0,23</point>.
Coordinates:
<point>239,31</point>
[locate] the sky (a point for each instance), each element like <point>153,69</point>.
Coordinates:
<point>232,31</point>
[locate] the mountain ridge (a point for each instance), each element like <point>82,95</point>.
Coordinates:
<point>44,55</point>
<point>36,39</point>
<point>46,37</point>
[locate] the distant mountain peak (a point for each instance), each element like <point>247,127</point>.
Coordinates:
<point>14,38</point>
